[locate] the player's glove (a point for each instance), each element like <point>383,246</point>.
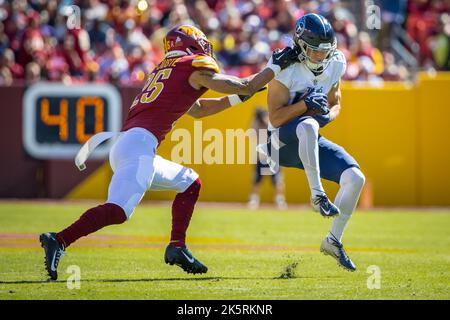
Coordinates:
<point>317,102</point>
<point>282,59</point>
<point>239,98</point>
<point>323,119</point>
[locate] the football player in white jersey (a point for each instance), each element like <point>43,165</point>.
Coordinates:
<point>301,99</point>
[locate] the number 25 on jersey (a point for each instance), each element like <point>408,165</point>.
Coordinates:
<point>153,87</point>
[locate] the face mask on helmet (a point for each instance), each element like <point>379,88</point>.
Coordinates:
<point>206,46</point>
<point>316,58</point>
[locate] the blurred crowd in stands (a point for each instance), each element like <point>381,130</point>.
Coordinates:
<point>119,41</point>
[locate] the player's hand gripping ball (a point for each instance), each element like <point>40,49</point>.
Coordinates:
<point>317,103</point>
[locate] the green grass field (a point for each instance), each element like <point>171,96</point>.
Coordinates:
<point>265,254</point>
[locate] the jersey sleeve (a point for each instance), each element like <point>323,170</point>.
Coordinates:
<point>285,77</point>
<point>342,64</point>
<point>202,62</point>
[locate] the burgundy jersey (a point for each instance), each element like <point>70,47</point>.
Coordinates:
<point>167,94</point>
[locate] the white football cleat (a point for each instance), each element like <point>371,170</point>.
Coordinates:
<point>334,248</point>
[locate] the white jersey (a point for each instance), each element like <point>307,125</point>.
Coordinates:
<point>298,78</point>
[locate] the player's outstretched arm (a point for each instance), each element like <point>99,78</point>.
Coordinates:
<point>244,86</point>
<point>279,110</point>
<point>230,84</point>
<point>208,106</point>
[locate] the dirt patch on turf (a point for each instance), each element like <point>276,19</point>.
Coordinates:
<point>289,271</point>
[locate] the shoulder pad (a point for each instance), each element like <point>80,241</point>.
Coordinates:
<point>205,62</point>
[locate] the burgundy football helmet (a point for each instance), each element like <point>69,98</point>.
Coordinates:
<point>189,39</point>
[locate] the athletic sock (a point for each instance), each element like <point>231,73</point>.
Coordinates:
<point>182,209</point>
<point>352,181</point>
<point>92,220</point>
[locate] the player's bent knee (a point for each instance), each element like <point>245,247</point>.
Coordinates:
<point>116,214</point>
<point>359,179</point>
<point>197,183</point>
<point>131,204</point>
<point>128,204</point>
<point>127,209</point>
<point>308,125</point>
<point>195,186</point>
<point>189,180</point>
<point>354,177</point>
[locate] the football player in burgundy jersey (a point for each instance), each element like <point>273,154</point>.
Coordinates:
<point>172,89</point>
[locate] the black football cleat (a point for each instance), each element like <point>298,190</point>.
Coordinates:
<point>53,253</point>
<point>182,257</point>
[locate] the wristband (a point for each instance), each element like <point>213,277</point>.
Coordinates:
<point>234,99</point>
